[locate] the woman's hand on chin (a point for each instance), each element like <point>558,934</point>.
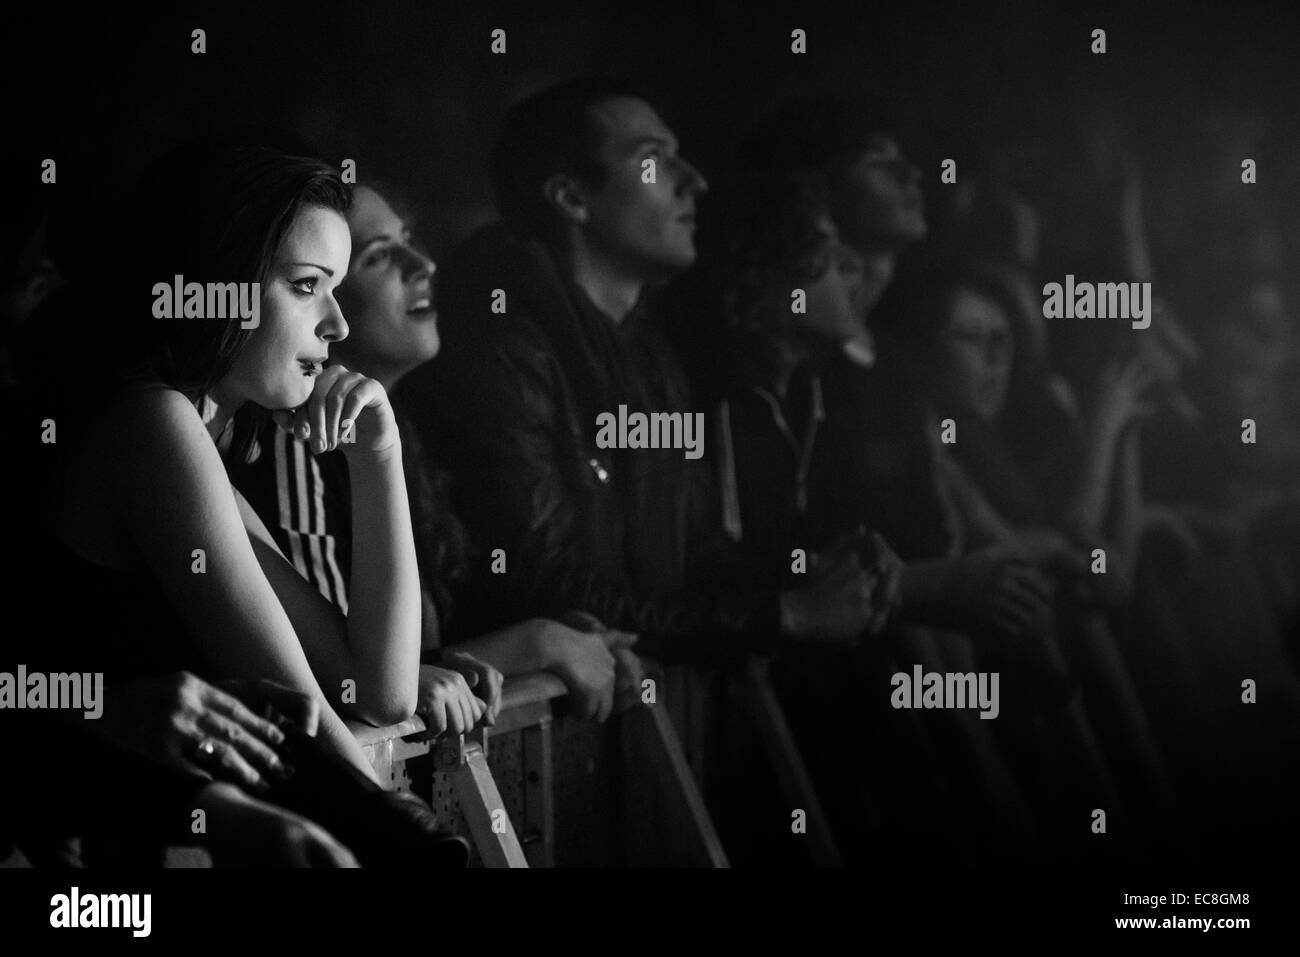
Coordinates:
<point>346,411</point>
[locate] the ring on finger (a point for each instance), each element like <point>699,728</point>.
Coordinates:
<point>206,748</point>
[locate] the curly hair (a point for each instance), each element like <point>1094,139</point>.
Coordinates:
<point>769,241</point>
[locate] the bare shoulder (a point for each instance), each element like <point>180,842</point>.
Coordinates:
<point>151,418</point>
<point>145,459</point>
<point>150,433</point>
<point>152,404</point>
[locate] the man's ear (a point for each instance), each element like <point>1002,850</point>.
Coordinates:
<point>566,196</point>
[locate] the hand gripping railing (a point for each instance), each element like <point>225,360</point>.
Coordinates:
<point>659,814</point>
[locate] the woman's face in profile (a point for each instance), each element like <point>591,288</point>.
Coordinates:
<point>388,296</point>
<point>975,347</point>
<point>882,206</point>
<point>299,315</point>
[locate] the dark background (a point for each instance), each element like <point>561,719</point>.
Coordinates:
<point>412,93</point>
<point>412,90</point>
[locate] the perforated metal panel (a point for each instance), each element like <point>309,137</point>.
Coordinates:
<point>505,758</point>
<point>577,794</point>
<point>436,788</point>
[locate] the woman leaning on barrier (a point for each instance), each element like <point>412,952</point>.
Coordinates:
<point>154,401</point>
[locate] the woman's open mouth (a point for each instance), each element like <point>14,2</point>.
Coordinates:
<point>311,367</point>
<point>422,309</point>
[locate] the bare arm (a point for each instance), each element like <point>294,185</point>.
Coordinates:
<point>517,649</point>
<point>384,612</point>
<point>325,634</point>
<point>583,660</point>
<point>376,648</point>
<point>169,489</point>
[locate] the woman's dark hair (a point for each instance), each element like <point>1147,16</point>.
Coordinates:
<point>765,241</point>
<point>210,212</point>
<point>914,309</point>
<point>1017,460</point>
<point>913,312</point>
<point>395,193</point>
<point>821,132</point>
<point>441,543</point>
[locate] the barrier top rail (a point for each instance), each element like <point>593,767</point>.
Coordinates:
<point>516,693</point>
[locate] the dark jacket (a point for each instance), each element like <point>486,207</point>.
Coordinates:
<point>509,408</point>
<point>846,447</point>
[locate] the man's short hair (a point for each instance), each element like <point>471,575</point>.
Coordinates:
<point>550,132</point>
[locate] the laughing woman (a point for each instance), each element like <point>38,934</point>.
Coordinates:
<point>172,568</point>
